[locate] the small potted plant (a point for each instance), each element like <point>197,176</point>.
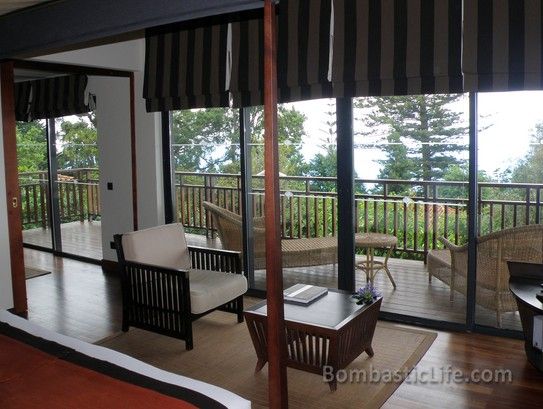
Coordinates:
<point>366,294</point>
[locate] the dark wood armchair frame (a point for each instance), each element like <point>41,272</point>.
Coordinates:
<point>158,299</point>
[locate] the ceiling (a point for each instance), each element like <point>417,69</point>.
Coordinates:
<point>9,6</point>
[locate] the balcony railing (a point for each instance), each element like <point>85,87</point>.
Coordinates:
<point>416,212</point>
<point>423,212</point>
<point>79,196</point>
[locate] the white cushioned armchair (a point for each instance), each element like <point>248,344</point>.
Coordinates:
<point>166,284</point>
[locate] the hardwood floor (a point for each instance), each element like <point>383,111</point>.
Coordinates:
<point>79,300</point>
<point>413,295</point>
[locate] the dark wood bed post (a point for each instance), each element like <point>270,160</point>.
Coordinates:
<point>277,372</point>
<point>12,190</point>
<point>134,167</point>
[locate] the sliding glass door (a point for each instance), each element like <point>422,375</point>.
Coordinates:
<point>34,183</point>
<point>59,177</point>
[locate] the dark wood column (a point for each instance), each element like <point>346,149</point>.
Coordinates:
<point>246,199</point>
<point>472,213</point>
<point>12,190</point>
<point>277,373</point>
<point>168,177</point>
<point>53,205</point>
<point>133,152</point>
<point>345,189</point>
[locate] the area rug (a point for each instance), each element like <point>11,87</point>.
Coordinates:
<point>223,355</point>
<point>31,272</point>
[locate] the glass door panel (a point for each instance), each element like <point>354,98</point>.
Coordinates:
<point>77,183</point>
<point>34,183</point>
<point>411,167</point>
<point>206,166</point>
<point>510,178</point>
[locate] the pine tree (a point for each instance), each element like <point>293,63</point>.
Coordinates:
<point>420,134</point>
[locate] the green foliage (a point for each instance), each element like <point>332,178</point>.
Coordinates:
<point>207,140</point>
<point>290,131</point>
<point>323,164</point>
<point>77,144</point>
<point>196,135</point>
<point>530,169</point>
<point>420,134</point>
<point>31,146</point>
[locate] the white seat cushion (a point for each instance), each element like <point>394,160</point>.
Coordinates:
<point>210,289</point>
<point>163,246</point>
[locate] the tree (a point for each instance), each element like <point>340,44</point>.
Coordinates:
<point>324,163</point>
<point>31,146</point>
<point>459,173</point>
<point>202,138</point>
<point>530,169</point>
<point>207,140</point>
<point>420,134</point>
<point>290,131</point>
<point>77,143</point>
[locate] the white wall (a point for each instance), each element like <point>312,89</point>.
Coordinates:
<point>149,162</point>
<point>127,56</point>
<point>114,157</point>
<point>6,293</point>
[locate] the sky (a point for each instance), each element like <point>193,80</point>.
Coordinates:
<point>506,120</point>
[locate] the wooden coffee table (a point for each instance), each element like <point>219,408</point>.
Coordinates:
<point>332,332</point>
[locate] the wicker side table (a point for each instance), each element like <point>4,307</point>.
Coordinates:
<point>371,241</point>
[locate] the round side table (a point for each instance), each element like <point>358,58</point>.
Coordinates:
<point>370,242</point>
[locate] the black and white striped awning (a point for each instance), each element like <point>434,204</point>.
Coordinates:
<point>503,45</point>
<point>303,53</point>
<point>22,91</point>
<point>303,50</point>
<point>186,67</point>
<point>52,97</point>
<point>396,47</point>
<point>246,83</point>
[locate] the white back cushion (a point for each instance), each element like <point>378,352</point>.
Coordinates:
<point>163,246</point>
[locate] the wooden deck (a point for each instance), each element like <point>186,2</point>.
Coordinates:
<point>413,296</point>
<point>80,238</point>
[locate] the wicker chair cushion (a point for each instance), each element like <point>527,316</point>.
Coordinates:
<point>163,246</point>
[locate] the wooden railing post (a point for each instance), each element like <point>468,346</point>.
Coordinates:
<point>80,187</point>
<point>528,201</point>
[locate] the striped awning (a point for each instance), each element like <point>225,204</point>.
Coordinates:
<point>247,50</point>
<point>396,47</point>
<point>186,67</point>
<point>303,49</point>
<point>60,96</point>
<point>503,45</point>
<point>22,100</point>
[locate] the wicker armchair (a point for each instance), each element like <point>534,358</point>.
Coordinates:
<point>523,244</point>
<point>296,252</point>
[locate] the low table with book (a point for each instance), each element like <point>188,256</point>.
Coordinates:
<point>331,331</point>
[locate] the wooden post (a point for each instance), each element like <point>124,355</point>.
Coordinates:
<point>134,167</point>
<point>277,373</point>
<point>12,190</point>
